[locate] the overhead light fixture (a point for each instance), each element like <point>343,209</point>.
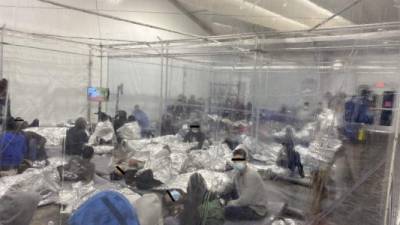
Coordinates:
<point>337,65</point>
<point>115,2</point>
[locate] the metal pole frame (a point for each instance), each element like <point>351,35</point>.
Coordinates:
<point>2,51</point>
<point>161,88</point>
<point>89,104</point>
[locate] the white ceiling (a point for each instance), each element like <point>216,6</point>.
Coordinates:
<point>221,16</point>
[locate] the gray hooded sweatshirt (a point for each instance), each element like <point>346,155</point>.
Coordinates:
<point>251,190</point>
<point>17,208</point>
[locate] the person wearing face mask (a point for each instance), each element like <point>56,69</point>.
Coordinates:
<point>195,135</point>
<point>304,114</point>
<point>251,202</point>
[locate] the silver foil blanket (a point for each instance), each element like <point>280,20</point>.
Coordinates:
<point>53,135</point>
<point>44,181</point>
<point>168,157</point>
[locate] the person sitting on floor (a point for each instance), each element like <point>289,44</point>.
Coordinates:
<point>13,147</point>
<point>36,143</point>
<point>76,138</point>
<point>130,130</point>
<point>251,202</point>
<point>195,135</point>
<point>104,131</point>
<point>79,168</point>
<point>120,119</point>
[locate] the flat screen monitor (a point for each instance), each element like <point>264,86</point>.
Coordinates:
<point>97,94</point>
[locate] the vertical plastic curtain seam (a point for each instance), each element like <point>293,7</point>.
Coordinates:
<point>392,161</point>
<point>161,86</point>
<point>90,65</point>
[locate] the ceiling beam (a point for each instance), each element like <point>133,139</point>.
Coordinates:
<point>192,17</point>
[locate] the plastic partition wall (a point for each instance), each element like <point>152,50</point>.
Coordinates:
<point>48,77</point>
<point>253,88</point>
<point>257,87</point>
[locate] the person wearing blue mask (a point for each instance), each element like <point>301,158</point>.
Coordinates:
<point>251,202</point>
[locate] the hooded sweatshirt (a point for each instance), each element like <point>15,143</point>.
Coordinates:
<point>250,188</point>
<point>17,208</point>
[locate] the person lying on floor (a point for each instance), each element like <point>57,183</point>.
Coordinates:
<point>249,194</point>
<point>79,168</point>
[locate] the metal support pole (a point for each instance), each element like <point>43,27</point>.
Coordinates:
<point>101,65</point>
<point>161,88</point>
<point>167,66</point>
<point>2,51</point>
<point>107,81</point>
<point>90,65</point>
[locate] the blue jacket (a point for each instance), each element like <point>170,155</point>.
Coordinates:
<point>142,119</point>
<point>13,148</point>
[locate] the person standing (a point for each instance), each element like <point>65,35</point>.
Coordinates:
<point>143,120</point>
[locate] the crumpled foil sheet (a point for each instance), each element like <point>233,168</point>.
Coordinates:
<point>264,152</point>
<point>215,158</point>
<point>285,221</point>
<point>44,181</point>
<point>103,149</point>
<point>216,181</point>
<point>75,195</point>
<point>167,163</point>
<point>53,135</point>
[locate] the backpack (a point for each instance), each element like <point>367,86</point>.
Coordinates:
<point>105,208</point>
<point>211,211</point>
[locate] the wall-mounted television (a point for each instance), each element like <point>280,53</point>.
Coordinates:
<point>98,94</point>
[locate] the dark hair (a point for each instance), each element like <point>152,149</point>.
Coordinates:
<point>306,103</point>
<point>11,125</point>
<point>80,123</point>
<point>35,123</point>
<point>103,117</point>
<point>240,152</point>
<point>87,152</point>
<point>122,114</point>
<point>131,118</point>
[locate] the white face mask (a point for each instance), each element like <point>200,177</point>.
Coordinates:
<point>195,130</point>
<point>239,166</point>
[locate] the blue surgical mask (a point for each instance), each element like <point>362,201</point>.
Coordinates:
<point>239,166</point>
